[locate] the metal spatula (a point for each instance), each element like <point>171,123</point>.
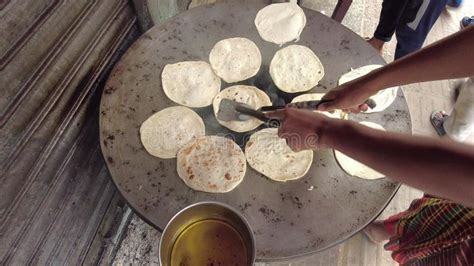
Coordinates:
<point>234,111</point>
<point>230,110</point>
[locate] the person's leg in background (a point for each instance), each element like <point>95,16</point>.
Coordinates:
<point>412,35</point>
<point>390,17</point>
<point>459,125</point>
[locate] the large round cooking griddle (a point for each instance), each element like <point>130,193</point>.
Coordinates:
<point>288,219</point>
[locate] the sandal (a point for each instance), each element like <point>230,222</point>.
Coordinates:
<point>437,119</point>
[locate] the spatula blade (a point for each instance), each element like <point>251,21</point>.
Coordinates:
<point>227,111</point>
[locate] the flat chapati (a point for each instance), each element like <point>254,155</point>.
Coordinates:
<point>280,23</point>
<point>355,168</point>
<point>244,94</point>
<point>235,59</point>
<point>296,68</point>
<point>211,164</point>
<point>166,131</point>
<point>269,155</point>
<point>316,97</point>
<point>383,98</point>
<point>190,83</point>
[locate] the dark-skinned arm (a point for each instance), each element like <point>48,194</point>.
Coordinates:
<point>438,167</point>
<point>449,58</point>
<point>435,166</point>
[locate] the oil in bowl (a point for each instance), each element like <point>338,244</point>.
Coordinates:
<point>209,242</point>
<point>207,233</point>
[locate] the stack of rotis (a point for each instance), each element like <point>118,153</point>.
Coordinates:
<point>217,164</point>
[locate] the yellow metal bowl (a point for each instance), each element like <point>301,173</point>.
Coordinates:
<point>210,231</point>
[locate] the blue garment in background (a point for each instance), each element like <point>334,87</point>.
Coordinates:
<point>410,21</point>
<point>411,36</point>
<point>454,3</point>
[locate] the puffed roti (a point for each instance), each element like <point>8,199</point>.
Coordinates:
<point>166,131</point>
<point>190,83</point>
<point>355,168</point>
<point>235,59</point>
<point>244,94</point>
<point>296,68</point>
<point>280,23</point>
<point>269,155</point>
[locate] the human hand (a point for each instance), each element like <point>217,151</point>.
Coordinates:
<point>350,96</point>
<point>302,129</point>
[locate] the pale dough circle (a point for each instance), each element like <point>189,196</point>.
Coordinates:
<point>355,168</point>
<point>211,164</point>
<point>316,97</point>
<point>296,68</point>
<point>383,98</point>
<point>249,95</point>
<point>190,83</point>
<point>280,23</point>
<point>235,59</point>
<point>166,131</point>
<point>269,155</point>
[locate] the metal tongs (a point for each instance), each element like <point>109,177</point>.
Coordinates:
<point>230,110</point>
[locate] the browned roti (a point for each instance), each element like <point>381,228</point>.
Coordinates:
<point>211,164</point>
